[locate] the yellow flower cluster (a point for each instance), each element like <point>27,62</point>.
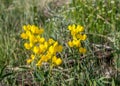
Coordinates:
<point>77,36</point>
<point>42,50</point>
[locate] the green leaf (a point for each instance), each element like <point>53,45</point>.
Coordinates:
<point>2,70</point>
<point>95,84</point>
<point>39,76</point>
<point>100,83</point>
<point>102,78</point>
<point>6,75</point>
<point>25,68</point>
<point>113,82</point>
<point>90,82</point>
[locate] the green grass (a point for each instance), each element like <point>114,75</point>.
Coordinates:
<point>101,20</point>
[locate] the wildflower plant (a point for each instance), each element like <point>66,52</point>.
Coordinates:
<point>45,51</point>
<point>42,50</point>
<point>77,36</point>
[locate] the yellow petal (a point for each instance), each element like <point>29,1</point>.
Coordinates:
<point>54,58</point>
<point>77,43</point>
<point>51,41</point>
<point>27,46</point>
<point>70,44</point>
<point>79,28</point>
<point>29,61</point>
<point>59,48</point>
<point>39,63</point>
<point>36,50</point>
<point>24,36</point>
<point>82,50</point>
<point>42,39</point>
<point>84,37</point>
<point>32,57</point>
<point>58,61</point>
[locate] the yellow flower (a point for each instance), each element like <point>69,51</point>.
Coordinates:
<point>44,58</point>
<point>31,44</point>
<point>83,37</point>
<point>51,50</point>
<point>29,61</point>
<point>34,29</point>
<point>46,50</point>
<point>41,40</point>
<point>58,48</point>
<point>76,43</point>
<point>73,32</point>
<point>71,27</point>
<point>42,48</point>
<point>82,50</point>
<point>28,33</point>
<point>58,61</point>
<point>45,45</point>
<point>75,29</point>
<point>32,57</point>
<point>79,36</point>
<point>51,41</point>
<point>79,28</point>
<point>26,27</point>
<point>24,36</point>
<point>74,37</point>
<point>70,44</point>
<point>41,30</point>
<point>55,44</point>
<point>27,45</point>
<point>32,39</point>
<point>48,55</point>
<point>39,63</point>
<point>36,49</point>
<point>54,58</point>
<point>38,37</point>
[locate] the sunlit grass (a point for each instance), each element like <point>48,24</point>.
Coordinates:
<point>100,66</point>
